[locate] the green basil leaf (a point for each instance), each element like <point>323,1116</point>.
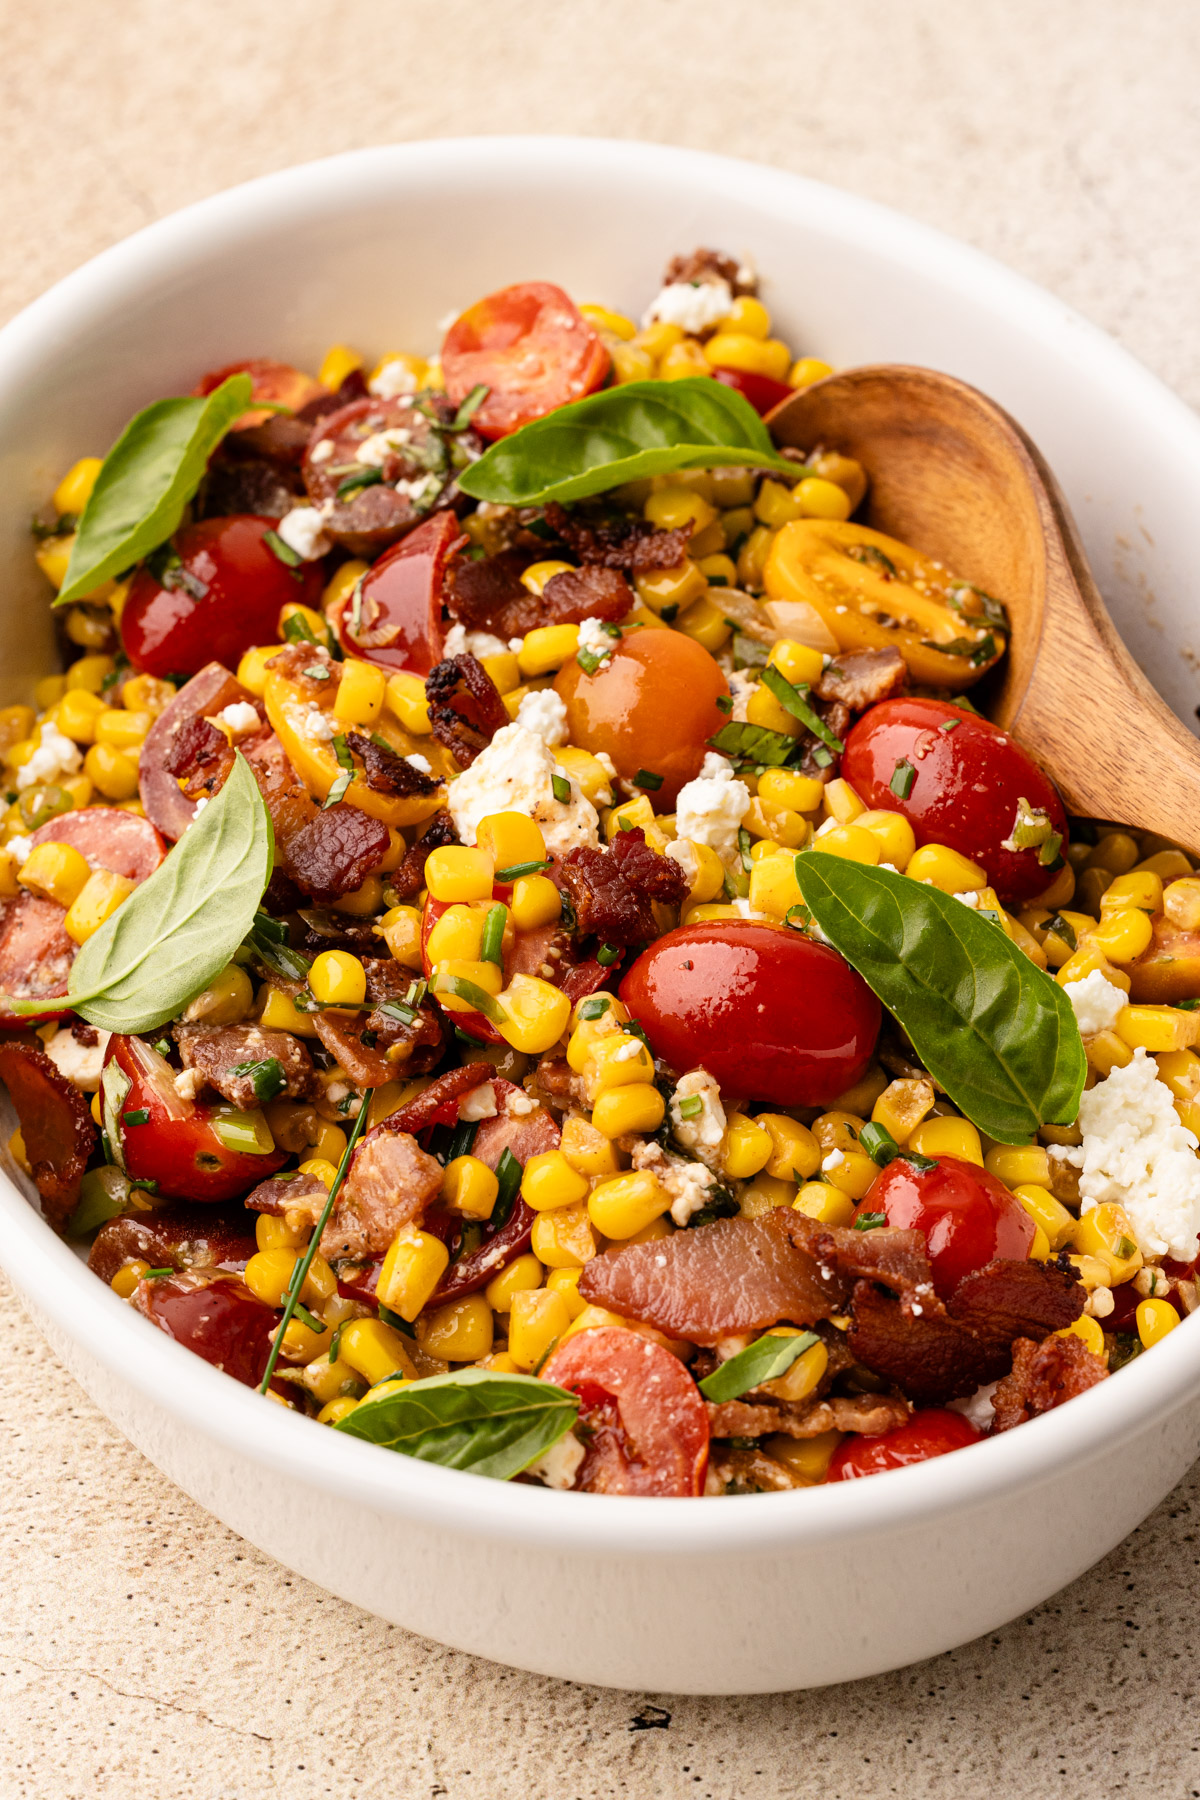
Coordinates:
<point>147,479</point>
<point>489,1424</point>
<point>754,743</point>
<point>995,1030</point>
<point>624,434</point>
<point>764,1360</point>
<point>181,926</point>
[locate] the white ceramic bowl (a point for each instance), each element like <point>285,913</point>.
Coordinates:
<point>753,1595</point>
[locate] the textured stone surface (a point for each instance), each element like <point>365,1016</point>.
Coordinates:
<point>144,1651</point>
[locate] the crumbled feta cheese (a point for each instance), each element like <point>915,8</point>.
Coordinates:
<point>628,1051</point>
<point>1136,1152</point>
<point>198,808</point>
<point>375,450</point>
<point>187,1083</point>
<point>703,1132</point>
<point>694,306</point>
<point>420,763</point>
<point>515,773</point>
<point>303,530</point>
<point>977,1408</point>
<point>545,712</point>
<point>321,452</point>
<point>595,639</point>
<point>969,897</point>
<point>241,718</point>
<point>1096,1002</point>
<point>392,379</point>
<point>20,847</point>
<point>741,686</point>
<point>834,1160</point>
<point>559,1465</point>
<point>690,1184</point>
<point>516,645</point>
<point>480,1103</point>
<point>710,809</point>
<point>308,721</point>
<point>461,642</point>
<point>517,1104</point>
<point>422,490</point>
<point>55,756</point>
<point>80,1063</point>
<point>683,852</point>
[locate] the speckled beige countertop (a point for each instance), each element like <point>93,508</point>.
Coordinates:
<point>145,1652</point>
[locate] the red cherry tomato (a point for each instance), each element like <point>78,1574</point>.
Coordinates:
<point>122,843</point>
<point>651,705</point>
<point>533,350</point>
<point>177,1145</point>
<point>770,1014</point>
<point>226,597</point>
<point>1123,1316</point>
<point>930,1433</point>
<point>647,1424</point>
<point>399,604</point>
<point>219,1320</point>
<point>762,391</point>
<point>965,789</point>
<point>275,381</point>
<point>965,1215</point>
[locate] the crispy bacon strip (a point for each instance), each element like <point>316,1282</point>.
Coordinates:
<point>612,890</point>
<point>336,850</point>
<point>409,878</point>
<point>1043,1376</point>
<point>386,771</point>
<point>589,593</point>
<point>705,265</point>
<point>216,1052</point>
<point>861,678</point>
<point>617,540</point>
<point>465,708</point>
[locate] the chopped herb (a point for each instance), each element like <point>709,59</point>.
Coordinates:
<point>341,782</point>
<point>156,1274</point>
<point>283,551</point>
<point>961,700</point>
<point>398,1010</point>
<point>150,1186</point>
<point>903,776</point>
<point>766,1359</point>
<point>646,778</point>
<point>310,1319</point>
<point>879,1144</point>
<point>1126,1247</point>
<point>474,995</point>
<point>1064,930</point>
<point>266,1077</point>
<point>562,789</point>
<point>316,672</point>
<point>464,1037</point>
<point>872,558</point>
<point>163,1046</point>
<point>491,947</point>
<point>725,703</point>
<point>1179,1005</point>
<point>508,1180</point>
<point>594,1007</point>
<point>396,1320</point>
<point>588,661</point>
<point>469,407</point>
<point>748,653</point>
<point>691,1106</point>
<point>794,699</point>
<point>743,842</point>
<point>949,724</point>
<point>870,1221</point>
<point>514,871</point>
<point>753,744</point>
<point>822,757</point>
<point>462,1138</point>
<point>977,651</point>
<point>607,955</point>
<point>922,1164</point>
<point>140,1116</point>
<point>362,478</point>
<point>669,612</point>
<point>1048,853</point>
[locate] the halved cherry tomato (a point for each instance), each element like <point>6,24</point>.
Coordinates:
<point>927,1434</point>
<point>762,391</point>
<point>967,780</point>
<point>1169,967</point>
<point>965,1215</point>
<point>35,958</point>
<point>275,381</point>
<point>769,1013</point>
<point>531,347</point>
<point>176,1145</point>
<point>396,618</point>
<point>217,1317</point>
<point>225,596</point>
<point>651,705</point>
<point>121,842</point>
<point>647,1424</point>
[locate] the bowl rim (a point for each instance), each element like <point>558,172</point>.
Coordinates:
<point>54,1279</point>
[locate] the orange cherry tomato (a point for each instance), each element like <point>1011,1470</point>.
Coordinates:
<point>531,347</point>
<point>277,382</point>
<point>647,1428</point>
<point>652,705</point>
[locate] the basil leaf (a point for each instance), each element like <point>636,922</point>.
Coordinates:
<point>754,743</point>
<point>489,1424</point>
<point>181,926</point>
<point>764,1360</point>
<point>147,479</point>
<point>990,1026</point>
<point>623,434</point>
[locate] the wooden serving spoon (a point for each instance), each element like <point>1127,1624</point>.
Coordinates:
<point>952,475</point>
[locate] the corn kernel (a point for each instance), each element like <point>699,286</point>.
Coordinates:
<point>147,694</point>
<point>896,837</point>
<point>510,839</point>
<point>124,1282</point>
<point>458,935</point>
<point>1081,962</point>
<point>538,574</point>
<point>824,1202</point>
<point>546,648</point>
<point>674,507</point>
<point>902,1105</point>
<point>334,1410</point>
<point>1141,889</point>
<point>470,1187</point>
<point>854,1175</point>
<point>626,1204</point>
<point>122,730</point>
<point>631,813</point>
<point>784,787</point>
<point>484,975</point>
<point>763,1194</point>
<point>795,1152</point>
<point>360,693</point>
<point>1180,1070</point>
<point>414,1264</point>
<point>55,872</point>
<point>705,623</point>
<point>677,587</point>
<point>1181,903</point>
<point>1116,853</point>
<point>564,1238</point>
<point>1086,1329</point>
<point>49,691</point>
<point>454,872</point>
<point>75,489</point>
<point>587,1150</point>
<point>272,1232</point>
<point>587,771</point>
<point>98,899</point>
<point>659,337</point>
<point>535,902</point>
<point>945,869</point>
<point>851,842</point>
<point>1122,935</point>
<point>755,356</point>
<point>268,1275</point>
<point>338,979</point>
<point>536,1014</point>
<point>1106,1233</point>
<point>460,1331</point>
<point>338,362</point>
<point>400,929</point>
<point>252,669</point>
<point>1047,1213</point>
<point>1158,1028</point>
<point>747,1147</point>
<point>375,1351</point>
<point>52,556</point>
<point>947,1137</point>
<point>819,499</point>
<point>805,1374</point>
<point>538,1319</point>
<point>277,1013</point>
<point>330,1146</point>
<point>566,1283</point>
<point>606,320</point>
<point>550,1181</point>
<point>1015,1163</point>
<point>324,1170</point>
<point>521,1276</point>
<point>225,1001</point>
<point>9,886</point>
<point>406,699</point>
<point>77,712</point>
<point>807,370</point>
<point>639,1107</point>
<point>1155,1318</point>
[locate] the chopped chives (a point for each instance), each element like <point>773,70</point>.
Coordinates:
<point>492,942</point>
<point>514,871</point>
<point>646,778</point>
<point>691,1106</point>
<point>903,776</point>
<point>594,1007</point>
<point>607,954</point>
<point>562,789</point>
<point>140,1116</point>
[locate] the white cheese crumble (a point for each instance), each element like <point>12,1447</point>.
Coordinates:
<point>559,1465</point>
<point>1096,1002</point>
<point>834,1160</point>
<point>322,451</point>
<point>683,852</point>
<point>517,1104</point>
<point>1136,1152</point>
<point>80,1063</point>
<point>391,380</point>
<point>703,1131</point>
<point>970,897</point>
<point>515,773</point>
<point>20,847</point>
<point>303,530</point>
<point>710,809</point>
<point>240,717</point>
<point>689,1184</point>
<point>187,1083</point>
<point>741,686</point>
<point>480,1103</point>
<point>977,1408</point>
<point>596,640</point>
<point>421,763</point>
<point>375,450</point>
<point>461,642</point>
<point>422,490</point>
<point>55,755</point>
<point>545,712</point>
<point>694,306</point>
<point>628,1051</point>
<point>308,721</point>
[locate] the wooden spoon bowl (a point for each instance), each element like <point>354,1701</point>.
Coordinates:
<point>954,476</point>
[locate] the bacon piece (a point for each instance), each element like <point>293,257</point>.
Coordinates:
<point>589,593</point>
<point>388,1185</point>
<point>56,1124</point>
<point>35,957</point>
<point>177,1237</point>
<point>214,1315</point>
<point>711,265</point>
<point>409,878</point>
<point>386,771</point>
<point>617,540</point>
<point>868,1414</point>
<point>375,1047</point>
<point>861,678</point>
<point>180,744</point>
<point>1043,1376</point>
<point>217,1051</point>
<point>288,801</point>
<point>490,596</point>
<point>612,889</point>
<point>836,716</point>
<point>899,1259</point>
<point>521,1128</point>
<point>335,851</point>
<point>465,708</point>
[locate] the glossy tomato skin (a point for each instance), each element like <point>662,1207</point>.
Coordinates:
<point>400,605</point>
<point>769,1013</point>
<point>176,1146</point>
<point>218,1319</point>
<point>967,784</point>
<point>651,705</point>
<point>531,347</point>
<point>648,1426</point>
<point>927,1434</point>
<point>762,391</point>
<point>277,382</point>
<point>171,631</point>
<point>965,1215</point>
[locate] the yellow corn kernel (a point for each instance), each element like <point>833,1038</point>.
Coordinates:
<point>587,1150</point>
<point>405,696</point>
<point>625,817</point>
<point>674,507</point>
<point>901,1107</point>
<point>535,902</point>
<point>842,803</point>
<point>252,669</point>
<point>820,1200</point>
<point>763,1193</point>
<point>581,1044</point>
<point>566,1283</point>
<point>460,1331</point>
<point>278,1014</point>
<point>338,362</point>
<point>947,1137</point>
<point>773,886</point>
<point>16,724</point>
<point>77,713</point>
<point>762,708</point>
<point>785,788</point>
<point>807,370</point>
<point>550,1181</point>
<point>360,692</point>
<point>96,901</point>
<point>338,979</point>
<point>400,929</point>
<point>301,1343</point>
<point>626,1204</point>
<point>678,587</point>
<point>851,842</point>
<point>752,560</point>
<point>719,570</point>
<point>1158,1028</point>
<point>536,1014</point>
<point>1081,962</point>
<point>617,1059</point>
<point>1061,890</point>
<point>1106,1233</point>
<point>1181,902</point>
<point>945,869</point>
<point>1116,853</point>
<point>75,489</point>
<point>853,1175</point>
<point>897,839</point>
<point>755,356</point>
<point>776,505</point>
<point>9,886</point>
<point>631,362</point>
<point>49,691</point>
<point>838,1130</point>
<point>340,1407</point>
<point>537,1320</point>
<point>1014,1163</point>
<point>795,1152</point>
<point>1122,935</point>
<point>510,839</point>
<point>1049,1214</point>
<point>414,1264</point>
<point>55,872</point>
<point>52,556</point>
<point>454,872</point>
<point>1092,1272</point>
<point>504,671</point>
<point>747,1147</point>
<point>604,319</point>
<point>521,1276</point>
<point>268,1275</point>
<point>1086,1329</point>
<point>638,1107</point>
<point>1155,1318</point>
<point>121,730</point>
<point>1180,1070</point>
<point>484,975</point>
<point>124,1282</point>
<point>1141,888</point>
<point>547,648</point>
<point>272,1232</point>
<point>1039,1249</point>
<point>587,771</point>
<point>322,1168</point>
<point>705,623</point>
<point>470,1187</point>
<point>375,1351</point>
<point>805,1374</point>
<point>331,1142</point>
<point>564,1238</point>
<point>659,337</point>
<point>819,499</point>
<point>538,574</point>
<point>458,935</point>
<point>225,1001</point>
<point>146,693</point>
